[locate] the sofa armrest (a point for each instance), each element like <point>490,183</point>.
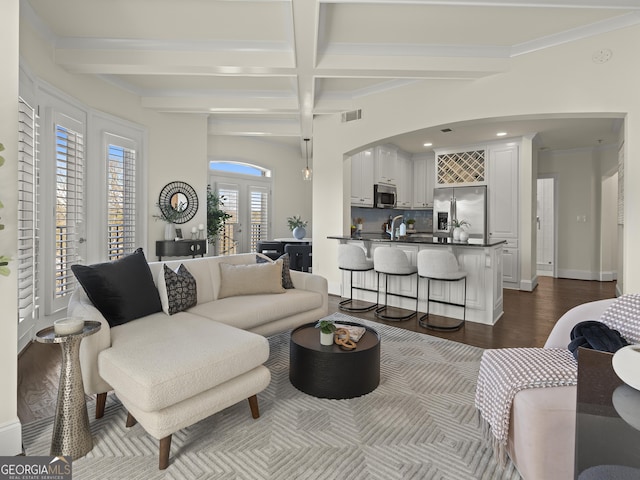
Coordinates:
<point>313,283</point>
<point>560,335</point>
<point>81,307</point>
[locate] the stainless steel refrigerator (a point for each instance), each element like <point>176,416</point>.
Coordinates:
<point>460,203</point>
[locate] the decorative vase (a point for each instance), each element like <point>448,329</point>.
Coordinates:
<point>464,236</point>
<point>169,231</point>
<point>299,233</point>
<point>326,338</point>
<point>456,233</point>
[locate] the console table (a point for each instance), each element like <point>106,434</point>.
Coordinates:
<point>606,443</point>
<point>180,248</point>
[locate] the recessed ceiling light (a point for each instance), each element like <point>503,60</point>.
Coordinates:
<point>501,134</point>
<point>428,144</point>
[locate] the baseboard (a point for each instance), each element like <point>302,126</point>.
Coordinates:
<point>11,438</point>
<point>608,276</point>
<point>578,274</point>
<point>529,285</point>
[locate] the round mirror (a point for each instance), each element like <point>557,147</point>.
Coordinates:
<point>178,201</point>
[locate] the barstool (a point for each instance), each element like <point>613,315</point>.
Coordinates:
<point>352,258</point>
<point>392,261</point>
<point>441,265</point>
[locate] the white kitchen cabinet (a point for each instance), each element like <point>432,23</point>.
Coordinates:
<point>362,179</point>
<point>510,270</point>
<point>405,180</point>
<point>503,192</point>
<point>423,182</point>
<point>385,170</point>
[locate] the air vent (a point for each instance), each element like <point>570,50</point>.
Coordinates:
<point>352,115</point>
<point>446,130</point>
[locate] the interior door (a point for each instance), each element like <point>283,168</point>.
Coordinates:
<point>545,227</point>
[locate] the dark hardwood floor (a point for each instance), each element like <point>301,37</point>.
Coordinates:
<point>528,318</point>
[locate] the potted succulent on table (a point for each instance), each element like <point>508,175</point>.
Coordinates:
<point>411,223</point>
<point>327,328</point>
<point>297,226</point>
<point>458,230</point>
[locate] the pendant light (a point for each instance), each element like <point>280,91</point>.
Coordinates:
<point>306,171</point>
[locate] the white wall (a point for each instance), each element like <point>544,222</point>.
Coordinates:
<point>291,194</point>
<point>559,80</point>
<point>10,430</point>
<point>609,230</point>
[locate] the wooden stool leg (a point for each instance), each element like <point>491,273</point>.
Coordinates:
<point>253,404</point>
<point>131,421</point>
<point>165,449</point>
<point>101,401</point>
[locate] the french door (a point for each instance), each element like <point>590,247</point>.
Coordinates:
<point>248,203</point>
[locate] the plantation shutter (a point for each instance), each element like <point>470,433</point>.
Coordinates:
<point>69,195</point>
<point>259,218</point>
<point>27,213</point>
<point>121,199</point>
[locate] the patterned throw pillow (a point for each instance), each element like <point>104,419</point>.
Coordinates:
<point>177,289</point>
<point>286,276</point>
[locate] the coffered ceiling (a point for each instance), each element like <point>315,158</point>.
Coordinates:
<point>266,67</point>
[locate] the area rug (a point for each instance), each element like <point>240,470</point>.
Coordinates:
<point>420,423</point>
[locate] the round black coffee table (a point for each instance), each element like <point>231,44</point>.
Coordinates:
<point>329,371</point>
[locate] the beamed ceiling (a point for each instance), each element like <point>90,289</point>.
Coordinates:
<point>267,67</point>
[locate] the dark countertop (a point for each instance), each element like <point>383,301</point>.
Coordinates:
<point>420,239</point>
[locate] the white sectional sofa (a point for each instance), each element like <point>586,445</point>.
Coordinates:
<point>171,371</point>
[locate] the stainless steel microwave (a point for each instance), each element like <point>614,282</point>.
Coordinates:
<point>384,196</point>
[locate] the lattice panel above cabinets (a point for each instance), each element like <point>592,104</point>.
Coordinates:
<point>461,167</point>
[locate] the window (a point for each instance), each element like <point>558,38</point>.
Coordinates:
<point>239,168</point>
<point>69,196</point>
<point>27,213</point>
<point>259,198</point>
<point>121,199</point>
<point>227,242</point>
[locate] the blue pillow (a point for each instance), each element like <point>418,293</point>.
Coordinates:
<point>122,290</point>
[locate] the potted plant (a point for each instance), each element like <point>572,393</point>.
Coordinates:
<point>169,215</point>
<point>216,217</point>
<point>458,229</point>
<point>411,223</point>
<point>297,226</point>
<point>327,327</point>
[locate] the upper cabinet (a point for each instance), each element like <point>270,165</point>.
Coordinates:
<point>385,164</point>
<point>423,181</point>
<point>405,179</point>
<point>460,167</point>
<point>362,179</point>
<point>503,191</point>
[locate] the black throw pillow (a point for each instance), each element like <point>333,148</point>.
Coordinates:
<point>122,290</point>
<point>596,336</point>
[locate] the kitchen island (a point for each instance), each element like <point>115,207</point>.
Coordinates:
<point>481,260</point>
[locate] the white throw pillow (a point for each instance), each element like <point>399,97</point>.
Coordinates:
<point>250,279</point>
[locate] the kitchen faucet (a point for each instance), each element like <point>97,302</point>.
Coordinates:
<point>392,227</point>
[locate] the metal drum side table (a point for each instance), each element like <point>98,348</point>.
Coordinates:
<point>71,434</point>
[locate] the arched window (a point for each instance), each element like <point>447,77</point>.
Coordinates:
<point>239,168</point>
